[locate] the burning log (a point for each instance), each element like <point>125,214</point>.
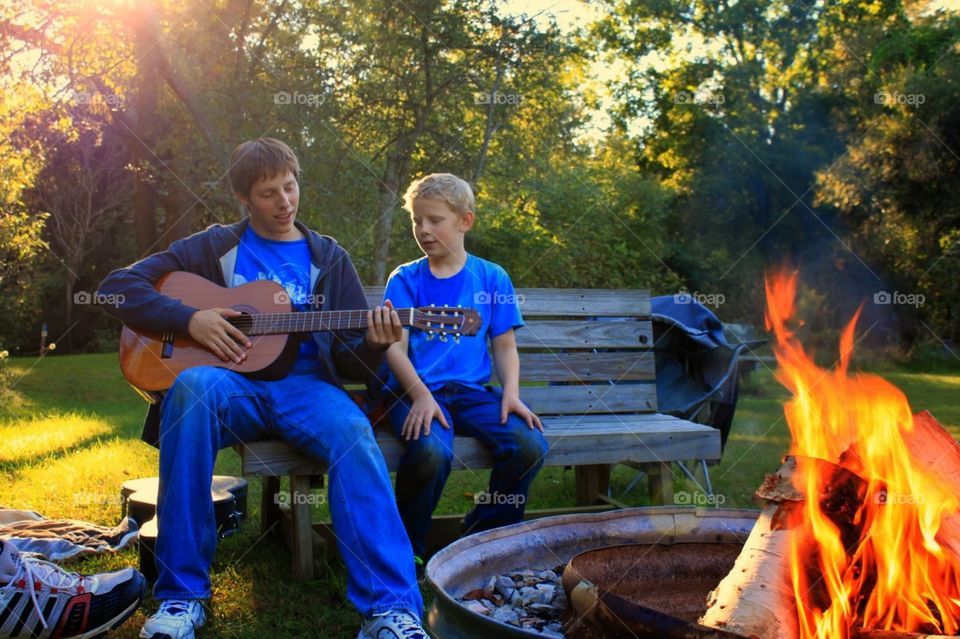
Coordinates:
<point>756,599</point>
<point>879,552</point>
<point>893,634</point>
<point>938,453</point>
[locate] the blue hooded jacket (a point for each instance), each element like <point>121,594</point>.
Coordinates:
<point>212,254</point>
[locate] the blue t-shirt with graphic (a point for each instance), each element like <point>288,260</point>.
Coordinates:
<point>285,262</point>
<point>481,285</point>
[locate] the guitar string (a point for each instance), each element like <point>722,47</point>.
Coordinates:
<point>298,322</point>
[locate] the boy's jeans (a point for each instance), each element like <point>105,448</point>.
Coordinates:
<point>517,451</point>
<point>210,408</point>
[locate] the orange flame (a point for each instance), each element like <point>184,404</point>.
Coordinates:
<point>895,575</point>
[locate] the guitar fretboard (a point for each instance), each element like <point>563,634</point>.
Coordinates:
<point>309,321</point>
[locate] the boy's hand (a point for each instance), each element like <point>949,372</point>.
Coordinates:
<point>383,326</point>
<point>511,404</point>
<point>217,335</point>
<point>421,415</point>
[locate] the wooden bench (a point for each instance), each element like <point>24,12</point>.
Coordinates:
<point>591,382</point>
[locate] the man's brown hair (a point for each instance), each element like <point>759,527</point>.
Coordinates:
<point>258,159</point>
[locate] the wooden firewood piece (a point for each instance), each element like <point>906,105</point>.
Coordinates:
<point>756,598</point>
<point>936,451</point>
<point>893,634</point>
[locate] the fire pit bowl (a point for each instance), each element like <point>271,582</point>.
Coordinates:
<point>645,590</point>
<point>545,543</point>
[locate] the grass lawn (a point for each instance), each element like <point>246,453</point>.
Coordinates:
<point>70,436</point>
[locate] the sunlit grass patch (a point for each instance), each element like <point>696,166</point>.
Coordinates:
<point>82,485</point>
<point>27,439</point>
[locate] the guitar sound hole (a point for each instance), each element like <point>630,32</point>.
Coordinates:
<point>243,322</point>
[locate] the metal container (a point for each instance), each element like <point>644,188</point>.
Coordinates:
<point>549,542</point>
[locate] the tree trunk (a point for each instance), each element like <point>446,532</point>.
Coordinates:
<point>144,198</point>
<point>490,126</point>
<point>389,190</point>
<point>68,313</point>
<point>177,214</point>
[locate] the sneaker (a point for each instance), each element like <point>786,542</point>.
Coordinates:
<point>40,599</point>
<point>395,624</point>
<point>175,619</point>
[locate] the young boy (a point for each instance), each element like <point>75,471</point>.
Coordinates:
<point>209,408</point>
<point>438,387</point>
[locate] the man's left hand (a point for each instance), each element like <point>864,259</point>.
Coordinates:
<point>383,326</point>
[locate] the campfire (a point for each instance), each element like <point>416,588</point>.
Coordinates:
<point>860,535</point>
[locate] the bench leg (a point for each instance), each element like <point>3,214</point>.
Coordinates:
<point>660,477</point>
<point>301,537</point>
<point>592,480</point>
<point>269,505</point>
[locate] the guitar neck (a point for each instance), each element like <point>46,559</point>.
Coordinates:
<point>309,321</point>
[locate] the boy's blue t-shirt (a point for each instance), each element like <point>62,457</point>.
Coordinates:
<point>481,285</point>
<point>285,262</point>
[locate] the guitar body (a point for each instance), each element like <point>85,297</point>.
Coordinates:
<point>151,362</point>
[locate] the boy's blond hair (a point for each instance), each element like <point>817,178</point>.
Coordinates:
<point>260,158</point>
<point>456,192</point>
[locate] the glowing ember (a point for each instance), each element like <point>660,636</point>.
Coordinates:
<point>896,571</point>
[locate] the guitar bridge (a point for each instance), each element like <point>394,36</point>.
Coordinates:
<point>166,351</point>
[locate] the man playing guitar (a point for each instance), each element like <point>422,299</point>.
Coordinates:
<point>210,407</point>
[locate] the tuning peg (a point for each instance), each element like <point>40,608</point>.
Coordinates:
<point>456,338</point>
<point>443,337</point>
<point>429,334</point>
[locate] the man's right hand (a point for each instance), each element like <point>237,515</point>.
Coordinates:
<point>421,414</point>
<point>209,328</point>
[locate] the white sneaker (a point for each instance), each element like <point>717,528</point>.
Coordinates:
<point>43,600</point>
<point>395,624</point>
<point>175,619</point>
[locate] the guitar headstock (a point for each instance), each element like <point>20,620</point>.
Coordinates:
<point>447,320</point>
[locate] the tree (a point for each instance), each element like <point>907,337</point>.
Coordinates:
<point>897,183</point>
<point>81,190</point>
<point>739,124</point>
<point>432,89</point>
<point>21,242</point>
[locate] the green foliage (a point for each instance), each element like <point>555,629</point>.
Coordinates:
<point>897,183</point>
<point>743,135</point>
<point>773,135</point>
<point>22,247</point>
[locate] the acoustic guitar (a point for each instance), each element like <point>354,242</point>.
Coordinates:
<point>152,361</point>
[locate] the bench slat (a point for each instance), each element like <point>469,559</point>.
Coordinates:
<point>571,302</point>
<point>585,366</point>
<point>585,334</point>
<point>650,438</point>
<point>590,398</point>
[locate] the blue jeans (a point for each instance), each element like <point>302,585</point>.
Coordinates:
<point>425,465</point>
<point>211,408</point>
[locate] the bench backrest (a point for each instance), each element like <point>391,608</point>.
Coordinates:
<point>575,343</point>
